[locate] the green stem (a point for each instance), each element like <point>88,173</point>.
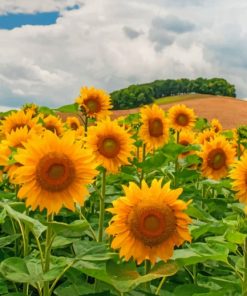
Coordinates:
<point>244,289</point>
<point>89,225</point>
<point>176,163</point>
<point>195,274</point>
<point>147,270</point>
<point>102,206</point>
<point>143,158</point>
<point>157,292</point>
<point>48,253</point>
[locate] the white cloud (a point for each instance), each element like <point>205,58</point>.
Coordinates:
<point>48,64</point>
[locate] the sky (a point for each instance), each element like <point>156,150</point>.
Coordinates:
<point>51,48</point>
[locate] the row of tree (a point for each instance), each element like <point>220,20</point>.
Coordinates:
<point>141,94</point>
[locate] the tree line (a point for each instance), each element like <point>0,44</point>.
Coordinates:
<point>141,94</point>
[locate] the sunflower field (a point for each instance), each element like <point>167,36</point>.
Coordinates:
<point>153,203</point>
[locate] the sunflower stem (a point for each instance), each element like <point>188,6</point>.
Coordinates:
<point>244,289</point>
<point>143,158</point>
<point>46,291</point>
<point>102,206</point>
<point>147,270</point>
<point>157,292</point>
<point>176,162</point>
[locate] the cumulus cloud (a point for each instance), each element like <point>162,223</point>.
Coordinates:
<point>111,46</point>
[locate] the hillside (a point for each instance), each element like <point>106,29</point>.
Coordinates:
<point>231,112</point>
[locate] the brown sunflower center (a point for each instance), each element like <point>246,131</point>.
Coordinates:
<point>109,147</point>
<point>217,159</point>
<point>55,172</point>
<point>184,143</point>
<point>92,105</point>
<point>74,126</point>
<point>182,119</point>
<point>155,127</point>
<point>152,224</point>
<point>52,128</point>
<point>17,126</point>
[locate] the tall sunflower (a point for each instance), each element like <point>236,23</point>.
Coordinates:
<point>74,124</point>
<point>53,124</point>
<point>186,138</point>
<point>181,117</point>
<point>149,222</point>
<point>111,144</point>
<point>55,172</point>
<point>17,120</point>
<point>217,156</point>
<point>96,102</point>
<point>239,176</point>
<point>154,130</point>
<point>206,136</point>
<point>216,125</point>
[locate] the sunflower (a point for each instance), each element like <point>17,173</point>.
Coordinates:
<point>75,124</point>
<point>54,172</point>
<point>148,222</point>
<point>186,138</point>
<point>96,102</point>
<point>216,125</point>
<point>53,124</point>
<point>17,120</point>
<point>217,156</point>
<point>111,144</point>
<point>181,117</point>
<point>206,136</point>
<point>154,130</point>
<point>239,176</point>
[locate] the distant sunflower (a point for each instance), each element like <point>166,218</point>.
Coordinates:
<point>73,122</point>
<point>186,138</point>
<point>181,117</point>
<point>17,120</point>
<point>239,176</point>
<point>217,156</point>
<point>216,125</point>
<point>206,136</point>
<point>111,144</point>
<point>96,102</point>
<point>154,130</point>
<point>149,222</point>
<point>53,124</point>
<point>55,172</point>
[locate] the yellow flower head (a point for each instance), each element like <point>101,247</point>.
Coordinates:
<point>217,156</point>
<point>54,172</point>
<point>186,137</point>
<point>53,124</point>
<point>206,136</point>
<point>96,102</point>
<point>17,120</point>
<point>216,125</point>
<point>149,222</point>
<point>111,144</point>
<point>181,117</point>
<point>239,176</point>
<point>154,130</point>
<point>75,124</point>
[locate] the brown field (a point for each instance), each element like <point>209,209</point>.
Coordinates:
<point>231,112</point>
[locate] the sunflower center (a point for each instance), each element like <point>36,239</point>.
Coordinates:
<point>184,143</point>
<point>92,105</point>
<point>217,159</point>
<point>152,224</point>
<point>74,126</point>
<point>155,127</point>
<point>20,125</point>
<point>51,128</point>
<point>109,147</point>
<point>55,172</point>
<point>182,120</point>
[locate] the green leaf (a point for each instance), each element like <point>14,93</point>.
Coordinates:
<point>15,269</point>
<point>6,240</point>
<point>189,290</point>
<point>62,242</point>
<point>201,252</point>
<point>235,237</point>
<point>196,212</point>
<point>74,229</point>
<point>34,225</point>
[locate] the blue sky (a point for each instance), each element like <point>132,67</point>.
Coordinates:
<point>50,48</point>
